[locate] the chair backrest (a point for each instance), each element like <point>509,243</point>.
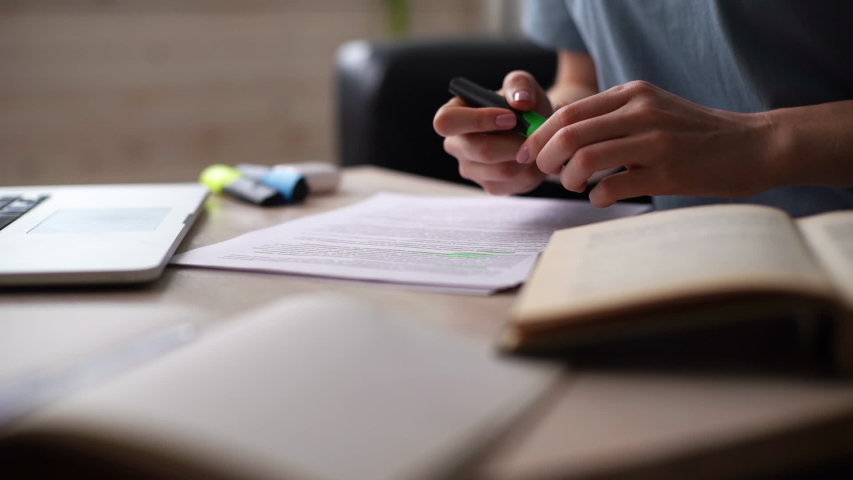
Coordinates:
<point>388,94</point>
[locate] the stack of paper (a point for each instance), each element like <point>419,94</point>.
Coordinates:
<point>468,245</point>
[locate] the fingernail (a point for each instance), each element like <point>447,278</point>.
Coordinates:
<point>523,156</point>
<point>505,120</point>
<point>522,96</point>
<point>593,196</point>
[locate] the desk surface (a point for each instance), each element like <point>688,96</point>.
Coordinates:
<point>600,422</point>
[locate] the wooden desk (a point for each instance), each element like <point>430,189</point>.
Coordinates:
<point>602,424</point>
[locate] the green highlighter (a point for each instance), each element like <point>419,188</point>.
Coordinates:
<point>477,96</point>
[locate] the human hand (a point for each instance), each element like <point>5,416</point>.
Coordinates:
<point>484,145</point>
<point>670,146</point>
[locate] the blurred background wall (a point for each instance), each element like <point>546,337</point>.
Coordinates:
<point>154,90</point>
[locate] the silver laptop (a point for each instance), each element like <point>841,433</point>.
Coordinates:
<point>93,233</point>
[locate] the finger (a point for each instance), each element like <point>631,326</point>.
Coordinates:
<point>523,92</point>
<point>601,156</point>
<point>524,182</point>
<point>564,144</point>
<point>629,184</point>
<point>483,148</point>
<point>584,109</point>
<point>455,118</point>
<point>494,172</point>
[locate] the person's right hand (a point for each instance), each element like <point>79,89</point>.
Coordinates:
<point>484,145</point>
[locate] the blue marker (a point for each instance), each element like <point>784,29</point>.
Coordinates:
<point>290,184</point>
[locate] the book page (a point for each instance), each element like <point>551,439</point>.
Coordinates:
<point>687,252</point>
<point>50,351</point>
<point>312,386</point>
<point>830,237</point>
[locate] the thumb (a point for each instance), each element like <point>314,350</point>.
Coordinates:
<point>523,92</point>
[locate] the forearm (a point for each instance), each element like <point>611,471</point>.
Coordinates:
<point>812,145</point>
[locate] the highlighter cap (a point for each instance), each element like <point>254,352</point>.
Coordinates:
<point>217,177</point>
<point>292,185</point>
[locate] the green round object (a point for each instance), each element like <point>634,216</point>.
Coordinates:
<point>217,177</point>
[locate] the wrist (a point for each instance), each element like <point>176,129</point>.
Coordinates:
<point>811,145</point>
<point>776,150</point>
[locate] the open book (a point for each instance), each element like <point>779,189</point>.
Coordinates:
<point>679,268</point>
<point>312,387</point>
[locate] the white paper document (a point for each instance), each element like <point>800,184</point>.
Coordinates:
<point>469,245</point>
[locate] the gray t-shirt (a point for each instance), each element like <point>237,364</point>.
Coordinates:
<point>737,55</point>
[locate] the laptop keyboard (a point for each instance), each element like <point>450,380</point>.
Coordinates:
<point>13,206</point>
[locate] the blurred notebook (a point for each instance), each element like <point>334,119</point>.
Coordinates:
<point>313,387</point>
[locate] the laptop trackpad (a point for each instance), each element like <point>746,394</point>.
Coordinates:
<point>102,220</point>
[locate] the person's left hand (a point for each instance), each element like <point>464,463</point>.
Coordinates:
<point>670,146</point>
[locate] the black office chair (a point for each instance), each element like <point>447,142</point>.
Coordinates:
<point>388,93</point>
